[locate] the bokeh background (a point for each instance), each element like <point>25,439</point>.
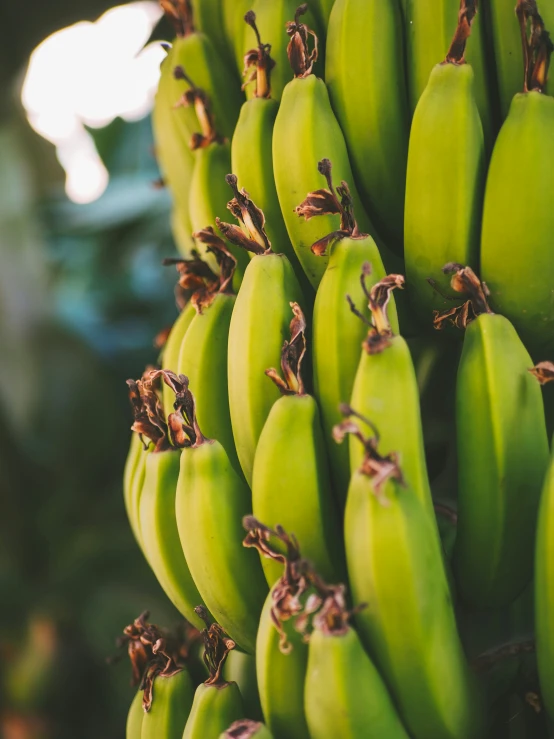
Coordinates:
<point>83,230</point>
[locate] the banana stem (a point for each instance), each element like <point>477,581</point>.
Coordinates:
<point>260,59</point>
<point>184,430</point>
<point>252,236</point>
<point>536,44</point>
<point>378,298</point>
<point>217,646</point>
<point>149,418</point>
<point>465,281</point>
<point>292,355</point>
<point>202,105</point>
<point>180,14</point>
<point>456,52</point>
<point>301,59</point>
<point>544,372</point>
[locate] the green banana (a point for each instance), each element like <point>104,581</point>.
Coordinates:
<point>544,592</point>
<point>271,19</point>
<point>172,701</point>
<point>409,624</point>
<point>203,351</point>
<point>241,669</point>
<point>517,259</point>
<point>259,325</point>
<point>233,20</point>
<point>502,452</point>
<point>135,716</point>
<point>156,508</point>
<point>306,131</point>
<point>337,334</point>
<point>506,40</point>
<point>344,694</point>
<point>247,729</point>
<point>208,15</point>
<point>445,179</point>
<point>211,500</point>
<point>428,26</point>
<point>281,652</point>
<point>217,703</point>
<point>132,463</point>
<point>364,72</point>
<point>251,152</point>
<point>291,456</point>
<point>322,9</point>
<point>385,390</point>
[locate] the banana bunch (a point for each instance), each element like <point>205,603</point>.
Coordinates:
<point>401,581</point>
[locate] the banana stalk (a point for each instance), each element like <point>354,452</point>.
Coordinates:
<point>211,494</point>
<point>517,259</point>
<point>445,179</point>
<point>259,325</point>
<point>305,132</point>
<point>291,457</point>
<point>217,703</point>
<point>338,335</point>
<point>364,72</point>
<point>502,451</point>
<point>409,624</point>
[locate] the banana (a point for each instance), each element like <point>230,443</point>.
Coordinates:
<point>171,704</point>
<point>259,325</point>
<point>322,9</point>
<point>156,507</point>
<point>544,592</point>
<point>364,73</point>
<point>251,152</point>
<point>428,26</point>
<point>385,390</point>
<point>344,694</point>
<point>208,15</point>
<point>203,351</point>
<point>217,703</point>
<point>241,669</point>
<point>210,503</point>
<point>271,19</point>
<point>409,624</point>
<point>247,729</point>
<point>445,179</point>
<point>306,131</point>
<point>134,718</point>
<point>517,259</point>
<point>291,456</point>
<point>132,463</point>
<point>233,20</point>
<point>281,652</point>
<point>337,333</point>
<point>502,452</point>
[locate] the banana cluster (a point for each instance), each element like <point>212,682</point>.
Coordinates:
<point>340,470</point>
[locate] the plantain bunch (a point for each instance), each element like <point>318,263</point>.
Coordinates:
<point>340,470</point>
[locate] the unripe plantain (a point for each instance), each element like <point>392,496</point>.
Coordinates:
<point>517,259</point>
<point>306,131</point>
<point>172,701</point>
<point>241,669</point>
<point>291,457</point>
<point>337,333</point>
<point>259,326</point>
<point>281,652</point>
<point>364,72</point>
<point>133,726</point>
<point>502,452</point>
<point>211,500</point>
<point>429,25</point>
<point>385,390</point>
<point>233,21</point>
<point>251,151</point>
<point>247,729</point>
<point>208,15</point>
<point>216,703</point>
<point>445,179</point>
<point>409,624</point>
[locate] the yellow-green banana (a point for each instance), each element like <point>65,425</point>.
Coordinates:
<point>544,592</point>
<point>322,9</point>
<point>281,652</point>
<point>502,452</point>
<point>247,729</point>
<point>364,72</point>
<point>233,20</point>
<point>337,333</point>
<point>172,348</point>
<point>133,726</point>
<point>385,391</point>
<point>395,567</point>
<point>251,152</point>
<point>517,258</point>
<point>344,694</point>
<point>210,503</point>
<point>259,326</point>
<point>291,457</point>
<point>208,15</point>
<point>132,464</point>
<point>171,703</point>
<point>203,352</point>
<point>306,131</point>
<point>445,180</point>
<point>241,669</point>
<point>428,26</point>
<point>217,703</point>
